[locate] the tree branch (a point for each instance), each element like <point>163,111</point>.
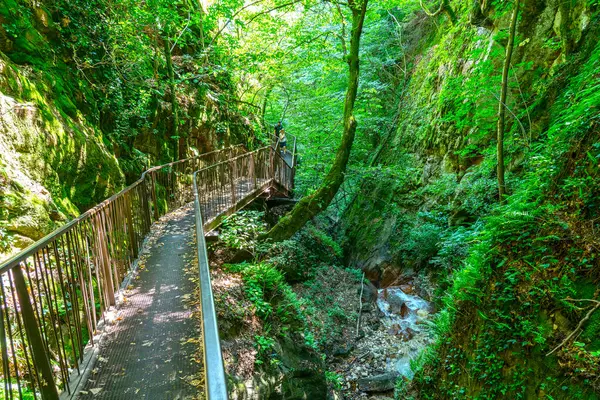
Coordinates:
<point>429,13</point>
<point>272,9</point>
<point>182,31</point>
<point>579,325</point>
<point>231,19</point>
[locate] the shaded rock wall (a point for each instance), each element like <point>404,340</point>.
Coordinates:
<point>442,154</point>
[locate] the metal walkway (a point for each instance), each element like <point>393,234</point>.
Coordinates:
<point>60,295</point>
<point>152,350</point>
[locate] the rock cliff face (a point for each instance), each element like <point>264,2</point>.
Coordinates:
<point>433,207</point>
<point>448,113</point>
<point>85,108</point>
<point>51,165</point>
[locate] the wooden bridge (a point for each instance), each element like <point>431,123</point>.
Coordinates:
<point>81,316</point>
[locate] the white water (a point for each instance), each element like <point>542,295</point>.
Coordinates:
<point>415,319</point>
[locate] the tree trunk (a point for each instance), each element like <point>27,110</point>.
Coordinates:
<point>263,110</point>
<point>443,8</point>
<point>173,98</point>
<point>502,103</point>
<point>310,206</point>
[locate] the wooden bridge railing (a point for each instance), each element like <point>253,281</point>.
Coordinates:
<point>54,294</point>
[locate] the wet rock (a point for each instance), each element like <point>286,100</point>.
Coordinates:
<point>378,383</point>
<point>408,288</point>
<point>407,334</point>
<point>394,329</point>
<point>395,303</point>
<point>404,310</point>
<point>398,306</point>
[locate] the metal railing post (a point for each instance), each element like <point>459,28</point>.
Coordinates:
<point>40,357</point>
<point>232,182</point>
<point>252,171</point>
<point>154,196</point>
<point>130,228</point>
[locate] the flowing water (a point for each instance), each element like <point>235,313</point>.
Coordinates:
<point>406,316</point>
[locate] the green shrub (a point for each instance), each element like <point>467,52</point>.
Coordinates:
<point>240,230</point>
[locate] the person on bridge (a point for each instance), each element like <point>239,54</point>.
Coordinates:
<point>282,141</point>
<point>278,128</point>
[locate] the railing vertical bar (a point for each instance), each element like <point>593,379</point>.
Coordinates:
<point>65,300</point>
<point>20,326</point>
<point>85,239</point>
<point>75,279</point>
<point>71,289</point>
<point>4,348</point>
<point>77,249</point>
<point>48,387</point>
<point>60,342</point>
<point>47,278</point>
<point>12,343</point>
<point>154,195</point>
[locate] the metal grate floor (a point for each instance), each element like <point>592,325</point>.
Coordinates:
<point>150,352</point>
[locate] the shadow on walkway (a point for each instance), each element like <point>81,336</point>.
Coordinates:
<point>151,350</point>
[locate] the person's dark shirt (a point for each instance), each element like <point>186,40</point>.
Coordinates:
<point>278,128</point>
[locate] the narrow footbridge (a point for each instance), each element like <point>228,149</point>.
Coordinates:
<point>94,310</point>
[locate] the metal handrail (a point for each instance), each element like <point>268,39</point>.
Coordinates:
<point>232,159</point>
<point>54,293</point>
<point>214,371</point>
<point>31,249</point>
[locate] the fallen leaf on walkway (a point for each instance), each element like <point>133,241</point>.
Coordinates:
<point>95,391</point>
<point>148,343</point>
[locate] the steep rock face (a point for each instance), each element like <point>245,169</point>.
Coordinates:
<point>503,272</point>
<point>51,165</point>
<point>448,121</point>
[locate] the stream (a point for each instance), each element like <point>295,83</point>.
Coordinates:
<point>405,317</point>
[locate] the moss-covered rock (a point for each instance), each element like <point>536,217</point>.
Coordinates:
<point>53,166</point>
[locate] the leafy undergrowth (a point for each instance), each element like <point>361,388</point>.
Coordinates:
<point>282,293</point>
<point>520,318</point>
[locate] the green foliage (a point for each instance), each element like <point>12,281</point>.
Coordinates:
<point>334,379</point>
<point>272,298</point>
<point>298,257</point>
<point>240,230</point>
<point>264,347</point>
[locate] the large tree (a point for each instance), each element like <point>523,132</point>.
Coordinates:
<point>311,205</point>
